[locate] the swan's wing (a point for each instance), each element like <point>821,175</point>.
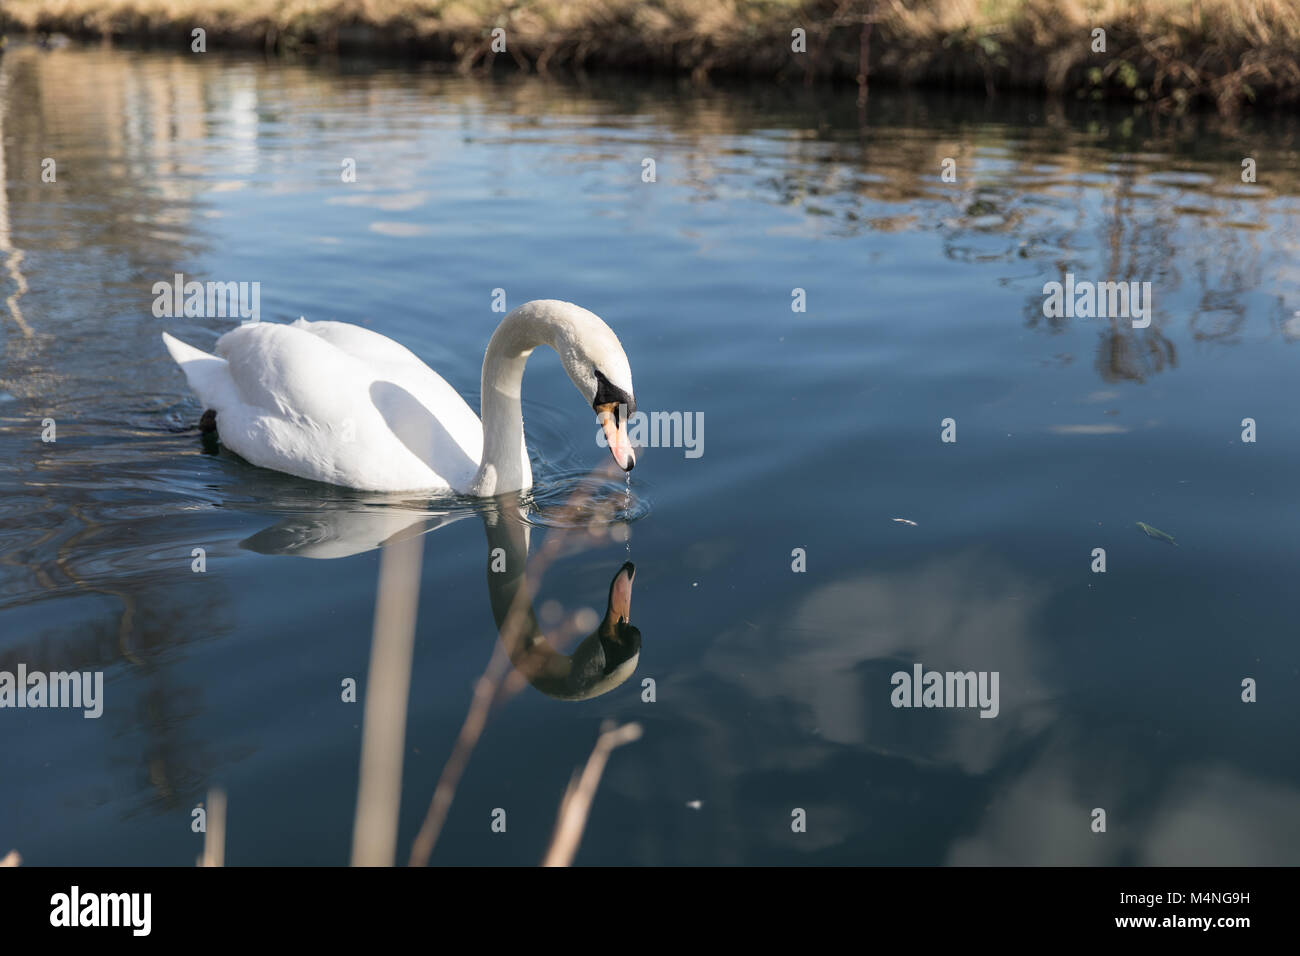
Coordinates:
<point>281,370</point>
<point>392,362</point>
<point>379,352</point>
<point>311,409</point>
<point>421,408</point>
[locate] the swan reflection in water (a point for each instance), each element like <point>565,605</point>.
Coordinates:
<point>603,660</point>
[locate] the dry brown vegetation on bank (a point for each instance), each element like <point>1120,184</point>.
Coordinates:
<point>1171,53</point>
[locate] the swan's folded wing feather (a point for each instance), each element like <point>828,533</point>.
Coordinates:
<point>391,362</point>
<point>288,372</point>
<point>372,348</point>
<point>387,360</point>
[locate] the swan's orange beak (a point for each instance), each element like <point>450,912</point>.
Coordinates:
<point>619,610</point>
<point>616,435</point>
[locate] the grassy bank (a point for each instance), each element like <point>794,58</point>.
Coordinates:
<point>1171,53</point>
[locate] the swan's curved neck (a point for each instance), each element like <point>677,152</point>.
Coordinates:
<point>505,464</point>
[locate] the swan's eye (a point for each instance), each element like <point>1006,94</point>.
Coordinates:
<point>608,393</point>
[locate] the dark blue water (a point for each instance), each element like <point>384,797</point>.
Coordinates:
<point>1119,690</point>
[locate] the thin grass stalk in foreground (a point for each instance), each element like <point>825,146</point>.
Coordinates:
<point>576,805</point>
<point>388,686</point>
<point>470,731</point>
<point>214,833</point>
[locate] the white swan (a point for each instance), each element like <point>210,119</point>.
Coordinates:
<point>337,403</point>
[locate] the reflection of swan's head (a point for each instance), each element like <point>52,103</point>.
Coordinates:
<point>609,655</point>
<point>601,662</point>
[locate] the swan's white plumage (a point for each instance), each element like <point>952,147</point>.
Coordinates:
<point>335,403</point>
<point>341,404</point>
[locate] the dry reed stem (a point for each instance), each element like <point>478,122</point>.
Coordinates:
<point>470,731</point>
<point>214,835</point>
<point>576,804</point>
<point>388,687</point>
<point>488,688</point>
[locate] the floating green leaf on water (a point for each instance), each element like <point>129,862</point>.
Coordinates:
<point>1156,533</point>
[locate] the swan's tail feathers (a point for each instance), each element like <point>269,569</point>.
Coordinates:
<point>181,352</point>
<point>209,376</point>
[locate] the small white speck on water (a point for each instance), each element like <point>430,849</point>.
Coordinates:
<point>695,804</point>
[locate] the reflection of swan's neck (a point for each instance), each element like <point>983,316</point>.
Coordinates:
<point>505,464</point>
<point>512,600</point>
<point>601,662</point>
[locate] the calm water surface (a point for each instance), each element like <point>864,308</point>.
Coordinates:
<point>924,302</point>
